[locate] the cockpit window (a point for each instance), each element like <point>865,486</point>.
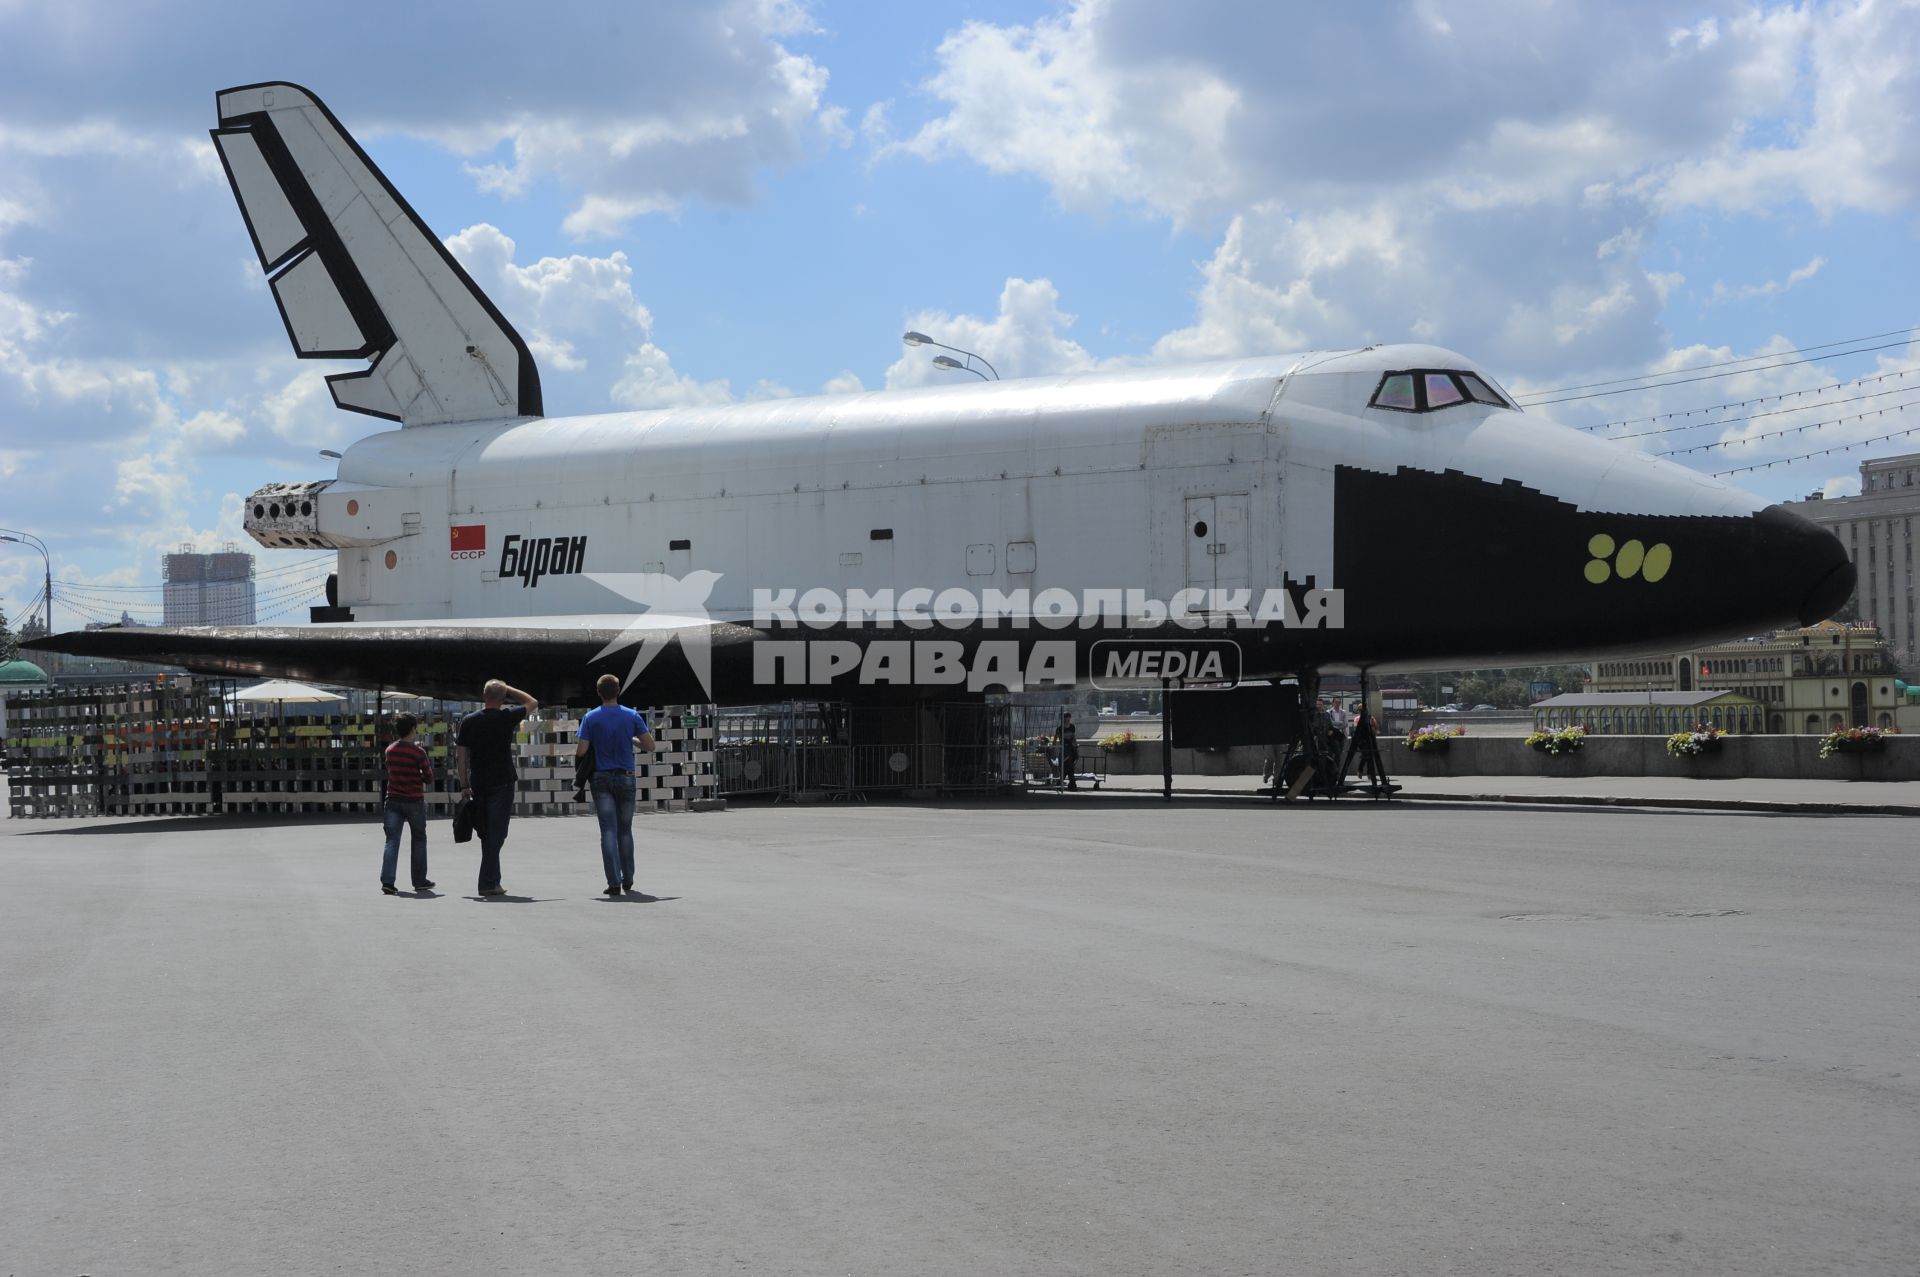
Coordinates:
<point>1443,390</point>
<point>1428,390</point>
<point>1396,392</point>
<point>1480,392</point>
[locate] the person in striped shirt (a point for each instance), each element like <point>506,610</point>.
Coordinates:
<point>408,772</point>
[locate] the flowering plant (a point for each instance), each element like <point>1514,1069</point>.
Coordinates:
<point>1852,740</point>
<point>1695,741</point>
<point>1119,741</point>
<point>1563,740</point>
<point>1433,736</point>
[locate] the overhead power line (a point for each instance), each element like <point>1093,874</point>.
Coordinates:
<point>1710,376</point>
<point>313,566</point>
<point>1755,416</point>
<point>1725,363</point>
<point>1808,456</point>
<point>1782,397</point>
<point>285,610</point>
<point>1790,430</point>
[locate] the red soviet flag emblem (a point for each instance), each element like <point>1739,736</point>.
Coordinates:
<point>469,540</point>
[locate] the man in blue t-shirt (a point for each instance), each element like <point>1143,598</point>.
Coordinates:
<point>611,732</point>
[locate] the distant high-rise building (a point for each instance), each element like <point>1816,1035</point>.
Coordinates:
<point>1877,529</point>
<point>209,589</point>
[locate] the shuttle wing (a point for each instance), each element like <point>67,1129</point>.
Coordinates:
<point>357,274</point>
<point>555,657</point>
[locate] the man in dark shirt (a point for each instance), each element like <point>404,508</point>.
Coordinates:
<point>485,759</point>
<point>1069,751</point>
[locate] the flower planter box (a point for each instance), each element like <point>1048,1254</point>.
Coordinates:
<point>1701,749</point>
<point>1853,740</point>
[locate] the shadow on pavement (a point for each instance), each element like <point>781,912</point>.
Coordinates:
<point>178,824</point>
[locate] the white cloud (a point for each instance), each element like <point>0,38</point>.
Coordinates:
<point>212,429</point>
<point>301,411</point>
<point>648,380</point>
<point>1846,485</point>
<point>1026,338</point>
<point>1375,184</point>
<point>733,103</point>
<point>592,335</point>
<point>635,109</point>
<point>1771,288</point>
<point>1043,100</point>
<point>1240,313</point>
<point>1847,135</point>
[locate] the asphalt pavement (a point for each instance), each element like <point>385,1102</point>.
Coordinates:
<point>1792,797</point>
<point>1096,1035</point>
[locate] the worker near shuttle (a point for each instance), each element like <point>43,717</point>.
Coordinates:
<point>484,755</point>
<point>610,733</point>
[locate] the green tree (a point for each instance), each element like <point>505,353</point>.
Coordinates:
<point>9,643</point>
<point>1512,687</point>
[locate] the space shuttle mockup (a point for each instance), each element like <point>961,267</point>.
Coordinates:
<point>1385,508</point>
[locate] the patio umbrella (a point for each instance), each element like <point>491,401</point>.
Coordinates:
<point>282,691</point>
<point>279,691</point>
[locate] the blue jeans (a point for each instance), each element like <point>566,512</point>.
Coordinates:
<point>493,808</point>
<point>411,812</point>
<point>613,804</point>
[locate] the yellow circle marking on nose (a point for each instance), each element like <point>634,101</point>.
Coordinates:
<point>1659,559</point>
<point>1598,571</point>
<point>1631,555</point>
<point>1601,546</point>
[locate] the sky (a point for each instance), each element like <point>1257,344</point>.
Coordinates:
<point>721,200</point>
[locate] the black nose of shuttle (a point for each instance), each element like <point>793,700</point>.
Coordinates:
<point>1803,554</point>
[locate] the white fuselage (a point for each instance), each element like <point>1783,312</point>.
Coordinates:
<point>1086,482</point>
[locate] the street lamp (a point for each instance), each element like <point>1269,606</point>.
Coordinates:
<point>34,542</point>
<point>921,339</point>
<point>948,361</point>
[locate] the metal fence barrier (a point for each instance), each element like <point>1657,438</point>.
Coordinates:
<point>809,751</point>
<point>153,750</point>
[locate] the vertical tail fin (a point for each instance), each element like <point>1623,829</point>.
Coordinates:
<point>357,274</point>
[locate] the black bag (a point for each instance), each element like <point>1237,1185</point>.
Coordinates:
<point>582,774</point>
<point>463,820</point>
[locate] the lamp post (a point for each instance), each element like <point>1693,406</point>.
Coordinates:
<point>948,361</point>
<point>942,361</point>
<point>34,542</point>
